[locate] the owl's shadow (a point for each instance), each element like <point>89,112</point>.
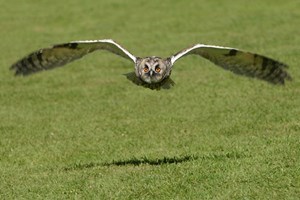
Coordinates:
<point>134,162</point>
<point>148,161</point>
<point>214,156</point>
<point>167,83</point>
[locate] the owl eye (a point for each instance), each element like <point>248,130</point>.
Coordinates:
<point>157,68</point>
<point>146,68</point>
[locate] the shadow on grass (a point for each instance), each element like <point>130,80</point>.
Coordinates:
<point>162,161</point>
<point>216,156</point>
<point>135,161</point>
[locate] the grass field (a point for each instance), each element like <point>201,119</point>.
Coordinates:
<point>85,132</point>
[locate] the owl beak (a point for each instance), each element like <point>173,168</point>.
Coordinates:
<point>151,72</point>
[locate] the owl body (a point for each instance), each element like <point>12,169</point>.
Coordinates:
<point>154,72</point>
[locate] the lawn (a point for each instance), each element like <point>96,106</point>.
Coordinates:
<point>84,131</point>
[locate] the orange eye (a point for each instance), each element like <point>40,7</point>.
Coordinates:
<point>157,69</point>
<point>146,69</point>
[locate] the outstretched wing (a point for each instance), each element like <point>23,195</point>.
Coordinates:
<point>62,54</point>
<point>240,62</point>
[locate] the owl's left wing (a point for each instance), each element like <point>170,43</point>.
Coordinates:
<point>239,62</point>
<point>61,54</point>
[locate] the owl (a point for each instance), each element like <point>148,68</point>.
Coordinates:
<point>154,72</point>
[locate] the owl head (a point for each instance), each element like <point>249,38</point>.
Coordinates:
<point>152,69</point>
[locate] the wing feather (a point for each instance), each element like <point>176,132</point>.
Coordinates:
<point>239,62</point>
<point>61,54</point>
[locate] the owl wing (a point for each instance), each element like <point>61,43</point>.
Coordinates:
<point>61,54</point>
<point>239,62</point>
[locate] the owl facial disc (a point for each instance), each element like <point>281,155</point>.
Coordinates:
<point>152,69</point>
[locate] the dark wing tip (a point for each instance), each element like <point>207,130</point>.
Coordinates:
<point>268,69</point>
<point>278,75</point>
<point>29,64</point>
<point>22,70</point>
<point>17,70</point>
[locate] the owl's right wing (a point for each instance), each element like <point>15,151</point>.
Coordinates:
<point>61,54</point>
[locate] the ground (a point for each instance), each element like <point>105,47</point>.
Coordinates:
<point>84,131</point>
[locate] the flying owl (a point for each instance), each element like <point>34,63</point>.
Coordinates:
<point>154,72</point>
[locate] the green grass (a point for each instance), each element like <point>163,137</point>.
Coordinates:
<point>85,132</point>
